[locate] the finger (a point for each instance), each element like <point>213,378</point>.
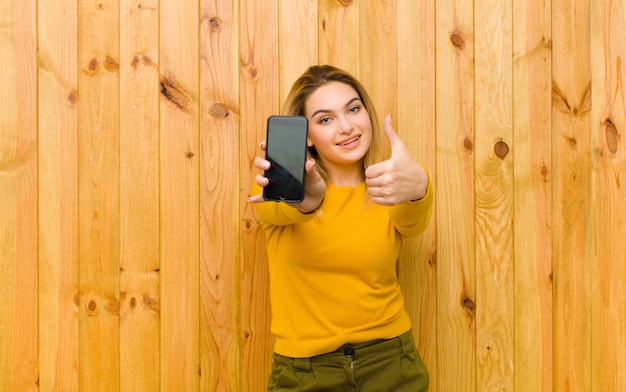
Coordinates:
<point>256,199</point>
<point>311,174</point>
<point>397,145</point>
<point>261,180</point>
<point>376,170</point>
<point>374,182</point>
<point>261,163</point>
<point>263,145</point>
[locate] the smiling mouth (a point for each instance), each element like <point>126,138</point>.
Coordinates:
<point>349,142</point>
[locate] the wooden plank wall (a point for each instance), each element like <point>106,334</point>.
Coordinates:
<point>130,261</point>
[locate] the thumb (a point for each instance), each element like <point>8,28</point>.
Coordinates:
<point>395,142</point>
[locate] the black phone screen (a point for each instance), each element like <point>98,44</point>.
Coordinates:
<point>286,151</point>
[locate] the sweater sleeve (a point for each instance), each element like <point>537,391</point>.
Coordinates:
<point>278,213</point>
<point>412,218</point>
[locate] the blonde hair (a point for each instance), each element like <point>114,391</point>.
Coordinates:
<point>316,77</point>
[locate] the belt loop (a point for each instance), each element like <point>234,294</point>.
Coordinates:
<point>406,341</point>
<point>302,364</point>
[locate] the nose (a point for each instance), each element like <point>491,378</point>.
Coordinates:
<point>345,126</point>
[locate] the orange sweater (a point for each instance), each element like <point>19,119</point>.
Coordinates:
<point>333,273</point>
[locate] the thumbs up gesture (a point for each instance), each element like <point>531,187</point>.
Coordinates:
<point>398,179</point>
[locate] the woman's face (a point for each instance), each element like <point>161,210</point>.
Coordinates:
<point>340,128</point>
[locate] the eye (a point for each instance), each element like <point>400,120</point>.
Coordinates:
<point>354,109</point>
<point>324,120</point>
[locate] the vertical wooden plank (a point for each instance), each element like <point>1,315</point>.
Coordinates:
<point>58,190</point>
<point>608,116</point>
<point>297,40</point>
<point>571,105</point>
<point>494,196</point>
<point>533,194</point>
<point>139,196</point>
<point>378,52</point>
<point>98,187</point>
<point>18,193</point>
<point>454,195</point>
<point>179,195</point>
<point>415,123</point>
<point>220,344</point>
<point>259,98</point>
<point>340,34</point>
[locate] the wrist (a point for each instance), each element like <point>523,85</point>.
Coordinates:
<point>313,210</point>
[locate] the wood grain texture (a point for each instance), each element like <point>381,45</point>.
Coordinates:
<point>379,40</point>
<point>98,195</point>
<point>340,34</point>
<point>130,259</point>
<point>297,40</point>
<point>415,123</point>
<point>139,196</point>
<point>179,146</point>
<point>533,195</point>
<point>607,218</point>
<point>494,197</point>
<point>58,190</point>
<point>220,271</point>
<point>259,98</point>
<point>18,198</point>
<point>455,212</point>
<point>571,105</point>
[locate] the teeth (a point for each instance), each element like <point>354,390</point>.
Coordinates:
<point>350,141</point>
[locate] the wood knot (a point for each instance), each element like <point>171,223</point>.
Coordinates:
<point>612,135</point>
<point>218,110</point>
<point>133,303</point>
<point>501,149</point>
<point>214,24</point>
<point>92,66</point>
<point>152,304</point>
<point>469,304</point>
<point>433,259</point>
<point>253,72</point>
<point>468,145</point>
<point>457,40</point>
<point>139,59</point>
<point>470,307</point>
<point>72,97</point>
<point>111,64</point>
<point>174,94</point>
<point>92,306</point>
<point>562,104</point>
<point>572,142</point>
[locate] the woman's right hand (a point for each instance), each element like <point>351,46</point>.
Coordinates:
<point>314,185</point>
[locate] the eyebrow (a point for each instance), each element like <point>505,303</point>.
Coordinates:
<point>328,110</point>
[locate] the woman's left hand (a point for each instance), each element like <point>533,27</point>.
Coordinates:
<point>398,179</point>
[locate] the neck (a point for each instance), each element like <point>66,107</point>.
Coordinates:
<point>346,176</point>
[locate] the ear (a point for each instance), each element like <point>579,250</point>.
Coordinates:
<point>309,142</point>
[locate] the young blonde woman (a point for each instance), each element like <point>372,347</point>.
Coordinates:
<point>338,313</point>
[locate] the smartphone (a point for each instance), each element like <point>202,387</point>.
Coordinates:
<point>286,151</point>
